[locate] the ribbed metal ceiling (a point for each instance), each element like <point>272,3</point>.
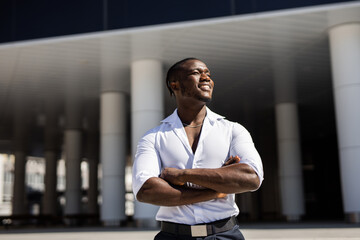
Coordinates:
<point>239,51</point>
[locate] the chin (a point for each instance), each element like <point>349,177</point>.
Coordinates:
<point>205,99</point>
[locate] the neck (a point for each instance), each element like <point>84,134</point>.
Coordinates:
<point>192,115</point>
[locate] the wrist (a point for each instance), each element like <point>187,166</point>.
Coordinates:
<point>183,176</point>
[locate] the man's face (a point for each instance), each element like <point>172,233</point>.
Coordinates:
<point>195,81</point>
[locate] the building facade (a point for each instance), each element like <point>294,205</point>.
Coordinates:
<point>85,80</point>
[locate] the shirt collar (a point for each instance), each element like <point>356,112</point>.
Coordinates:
<point>213,116</point>
<point>173,118</point>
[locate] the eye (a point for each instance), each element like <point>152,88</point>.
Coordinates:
<point>207,73</point>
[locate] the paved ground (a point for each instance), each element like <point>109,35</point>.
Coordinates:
<point>315,231</point>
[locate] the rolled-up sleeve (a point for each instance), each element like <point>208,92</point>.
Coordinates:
<point>242,145</point>
<point>146,164</point>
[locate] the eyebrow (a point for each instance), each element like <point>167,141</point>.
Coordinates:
<point>199,69</point>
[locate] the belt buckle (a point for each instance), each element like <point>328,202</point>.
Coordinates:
<point>198,231</point>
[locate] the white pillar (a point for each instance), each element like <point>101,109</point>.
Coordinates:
<point>73,173</point>
<point>288,139</point>
<point>146,112</point>
<point>73,143</point>
<point>51,135</point>
<point>290,171</point>
<point>93,192</point>
<point>20,144</point>
<point>113,137</point>
<point>50,199</point>
<point>2,162</point>
<point>345,58</point>
<point>19,197</point>
<point>92,155</point>
<point>113,155</point>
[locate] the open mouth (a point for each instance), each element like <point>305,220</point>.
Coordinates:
<point>205,87</point>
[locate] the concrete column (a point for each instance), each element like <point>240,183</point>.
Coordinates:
<point>345,58</point>
<point>113,137</point>
<point>50,196</point>
<point>20,149</point>
<point>288,138</point>
<point>50,155</point>
<point>2,173</point>
<point>289,153</point>
<point>73,174</point>
<point>146,112</point>
<point>73,143</point>
<point>93,207</point>
<point>92,155</point>
<point>19,197</point>
<point>113,149</point>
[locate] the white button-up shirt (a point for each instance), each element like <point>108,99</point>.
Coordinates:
<point>168,146</point>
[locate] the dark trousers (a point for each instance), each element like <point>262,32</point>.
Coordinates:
<point>233,234</point>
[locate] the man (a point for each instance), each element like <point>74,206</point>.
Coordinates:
<point>195,161</point>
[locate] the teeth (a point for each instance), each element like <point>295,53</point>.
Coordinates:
<point>205,87</point>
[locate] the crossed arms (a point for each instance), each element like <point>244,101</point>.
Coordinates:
<point>169,189</point>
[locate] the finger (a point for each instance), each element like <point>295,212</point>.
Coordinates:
<point>221,195</point>
<point>163,173</point>
<point>232,160</point>
<point>227,162</point>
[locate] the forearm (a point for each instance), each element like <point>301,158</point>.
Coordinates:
<point>235,178</point>
<point>159,192</point>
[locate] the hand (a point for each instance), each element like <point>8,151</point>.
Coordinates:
<point>173,176</point>
<point>232,160</point>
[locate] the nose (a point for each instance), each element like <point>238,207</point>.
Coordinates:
<point>204,77</point>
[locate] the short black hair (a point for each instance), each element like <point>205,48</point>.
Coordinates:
<point>171,75</point>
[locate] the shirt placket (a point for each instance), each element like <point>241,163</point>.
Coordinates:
<point>197,157</point>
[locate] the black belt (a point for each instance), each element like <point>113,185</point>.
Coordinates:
<point>200,230</point>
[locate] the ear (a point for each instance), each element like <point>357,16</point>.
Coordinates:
<point>175,86</point>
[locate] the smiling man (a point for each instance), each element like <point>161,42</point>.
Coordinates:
<point>195,161</point>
